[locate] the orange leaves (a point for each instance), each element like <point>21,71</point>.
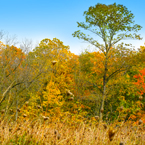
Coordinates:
<point>140,83</point>
<point>87,93</point>
<point>142,72</point>
<point>132,117</point>
<point>95,63</point>
<point>137,117</point>
<point>12,59</point>
<point>97,59</point>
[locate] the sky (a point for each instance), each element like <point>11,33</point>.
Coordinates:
<point>39,19</point>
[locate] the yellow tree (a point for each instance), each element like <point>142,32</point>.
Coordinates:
<point>11,59</point>
<point>51,61</point>
<point>43,56</point>
<point>13,78</point>
<point>55,84</point>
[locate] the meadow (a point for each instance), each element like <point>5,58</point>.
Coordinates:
<point>45,131</point>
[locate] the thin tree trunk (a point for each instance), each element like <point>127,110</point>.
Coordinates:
<point>102,103</point>
<point>4,94</point>
<point>17,108</point>
<point>104,88</point>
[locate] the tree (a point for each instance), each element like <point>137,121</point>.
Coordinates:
<point>11,59</point>
<point>112,23</point>
<point>41,62</point>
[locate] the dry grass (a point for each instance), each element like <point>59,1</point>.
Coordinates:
<point>46,132</point>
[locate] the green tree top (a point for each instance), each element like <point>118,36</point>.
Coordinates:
<point>110,22</point>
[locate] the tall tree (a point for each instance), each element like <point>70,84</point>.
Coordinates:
<point>112,23</point>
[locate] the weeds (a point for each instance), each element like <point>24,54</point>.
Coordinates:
<point>44,132</point>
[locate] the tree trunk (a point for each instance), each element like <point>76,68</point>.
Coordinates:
<point>104,88</point>
<point>102,103</point>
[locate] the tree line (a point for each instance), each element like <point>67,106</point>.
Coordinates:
<point>52,81</point>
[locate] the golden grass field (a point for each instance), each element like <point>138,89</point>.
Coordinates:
<point>47,132</point>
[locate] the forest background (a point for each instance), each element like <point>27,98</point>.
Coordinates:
<point>59,81</point>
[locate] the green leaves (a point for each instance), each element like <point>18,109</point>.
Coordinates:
<point>106,21</point>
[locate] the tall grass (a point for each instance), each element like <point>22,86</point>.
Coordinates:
<point>42,131</point>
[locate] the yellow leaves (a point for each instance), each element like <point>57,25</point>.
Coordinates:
<point>96,58</point>
<point>51,88</point>
<point>122,98</point>
<point>139,104</point>
<point>52,95</point>
<point>50,100</point>
<point>127,76</point>
<point>2,45</point>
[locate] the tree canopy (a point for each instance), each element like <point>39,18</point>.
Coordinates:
<point>112,23</point>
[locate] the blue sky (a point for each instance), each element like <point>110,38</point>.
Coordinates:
<point>39,19</point>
